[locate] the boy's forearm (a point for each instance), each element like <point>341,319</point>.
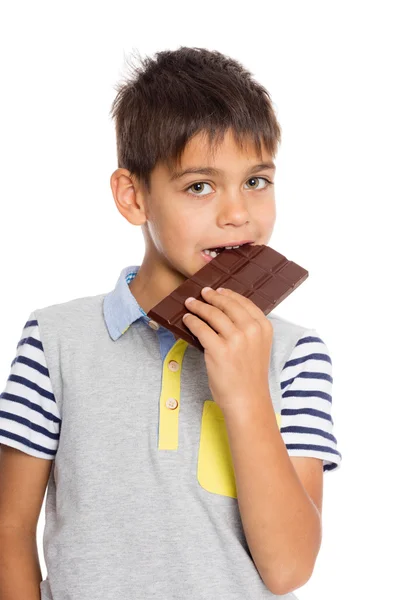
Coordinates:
<point>20,573</point>
<point>281,523</point>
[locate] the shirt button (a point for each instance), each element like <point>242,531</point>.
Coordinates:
<point>154,325</point>
<point>173,365</point>
<point>171,403</point>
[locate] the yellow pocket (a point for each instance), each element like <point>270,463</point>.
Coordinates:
<point>215,471</point>
<point>215,468</point>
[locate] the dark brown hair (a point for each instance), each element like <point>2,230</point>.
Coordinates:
<point>168,99</point>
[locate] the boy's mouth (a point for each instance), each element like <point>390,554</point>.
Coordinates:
<point>211,253</point>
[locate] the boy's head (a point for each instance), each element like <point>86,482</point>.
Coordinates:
<point>193,107</point>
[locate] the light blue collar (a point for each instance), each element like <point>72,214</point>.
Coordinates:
<point>120,307</point>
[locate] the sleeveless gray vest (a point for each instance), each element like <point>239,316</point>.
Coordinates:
<point>141,501</point>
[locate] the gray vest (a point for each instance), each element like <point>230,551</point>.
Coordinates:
<point>141,501</point>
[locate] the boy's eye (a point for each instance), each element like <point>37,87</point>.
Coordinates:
<point>202,183</point>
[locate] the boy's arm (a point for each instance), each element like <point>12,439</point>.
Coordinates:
<point>23,483</point>
<point>20,573</point>
<point>281,521</point>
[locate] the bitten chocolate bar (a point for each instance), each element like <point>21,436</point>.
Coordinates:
<point>257,272</point>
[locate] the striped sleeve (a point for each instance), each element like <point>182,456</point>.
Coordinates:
<point>306,420</point>
<point>29,416</point>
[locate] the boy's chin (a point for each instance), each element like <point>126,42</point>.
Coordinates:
<point>187,270</point>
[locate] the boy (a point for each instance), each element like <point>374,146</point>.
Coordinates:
<point>171,474</point>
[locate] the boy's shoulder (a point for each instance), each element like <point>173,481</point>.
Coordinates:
<point>286,338</point>
<point>73,304</point>
<point>86,308</point>
<point>287,329</point>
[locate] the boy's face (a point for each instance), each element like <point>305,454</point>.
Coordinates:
<point>183,216</point>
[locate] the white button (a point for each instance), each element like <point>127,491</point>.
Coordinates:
<point>154,325</point>
<point>173,365</point>
<point>171,403</point>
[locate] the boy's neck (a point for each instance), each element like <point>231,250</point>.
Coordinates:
<point>153,284</point>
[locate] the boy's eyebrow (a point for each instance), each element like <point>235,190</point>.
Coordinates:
<point>212,171</point>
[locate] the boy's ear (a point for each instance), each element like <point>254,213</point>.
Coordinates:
<point>128,196</point>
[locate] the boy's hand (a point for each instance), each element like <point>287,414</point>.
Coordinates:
<point>237,346</point>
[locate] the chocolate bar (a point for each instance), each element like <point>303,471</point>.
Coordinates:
<point>257,272</point>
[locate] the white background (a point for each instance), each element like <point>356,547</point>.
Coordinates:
<point>332,73</point>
